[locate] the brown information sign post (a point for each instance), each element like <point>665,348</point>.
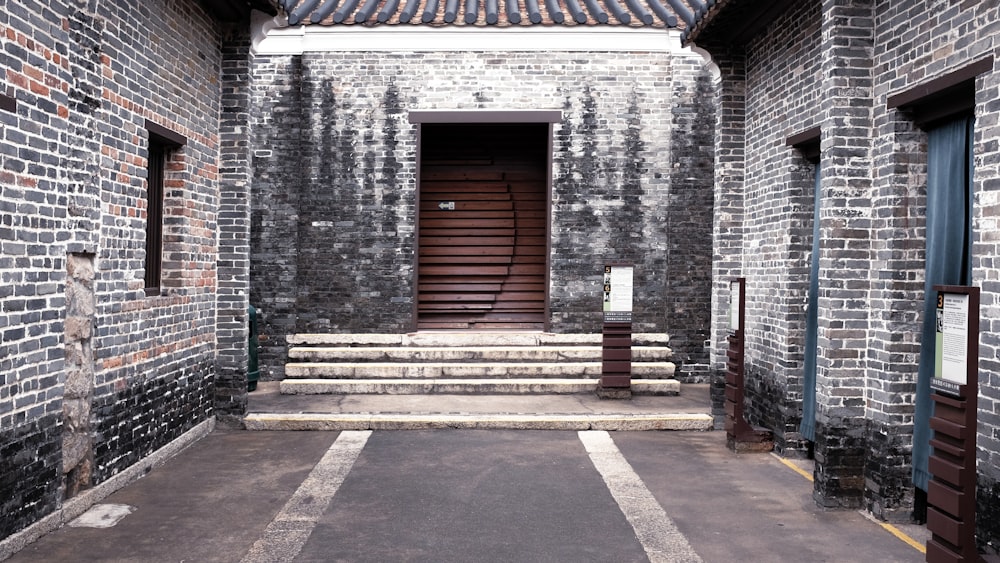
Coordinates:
<point>616,365</point>
<point>740,436</point>
<point>951,493</point>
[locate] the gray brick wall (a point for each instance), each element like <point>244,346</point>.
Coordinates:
<point>33,239</point>
<point>232,323</point>
<point>335,184</point>
<point>783,97</point>
<point>94,375</point>
<point>845,250</point>
<point>834,64</point>
<point>155,355</point>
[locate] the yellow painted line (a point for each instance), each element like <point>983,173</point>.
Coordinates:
<point>904,538</point>
<point>900,535</point>
<point>795,468</point>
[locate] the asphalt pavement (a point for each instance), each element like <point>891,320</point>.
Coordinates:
<point>471,495</point>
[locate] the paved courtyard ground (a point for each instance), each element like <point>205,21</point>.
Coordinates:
<point>473,495</point>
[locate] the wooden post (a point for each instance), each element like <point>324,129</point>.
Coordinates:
<point>740,436</point>
<point>616,356</point>
<point>951,493</point>
<point>616,362</point>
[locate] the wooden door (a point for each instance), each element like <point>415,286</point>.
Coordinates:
<point>482,229</point>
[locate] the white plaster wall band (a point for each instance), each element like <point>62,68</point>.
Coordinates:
<point>273,36</point>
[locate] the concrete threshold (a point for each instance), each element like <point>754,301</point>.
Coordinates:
<point>271,410</point>
<point>475,338</point>
<point>361,421</point>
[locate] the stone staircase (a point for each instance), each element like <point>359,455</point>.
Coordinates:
<point>489,363</point>
<point>478,380</point>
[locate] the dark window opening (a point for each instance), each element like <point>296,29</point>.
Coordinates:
<point>154,215</point>
<point>162,142</point>
<point>807,142</point>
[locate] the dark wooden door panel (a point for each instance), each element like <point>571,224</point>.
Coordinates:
<point>483,229</point>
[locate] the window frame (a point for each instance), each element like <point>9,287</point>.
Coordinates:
<point>162,142</point>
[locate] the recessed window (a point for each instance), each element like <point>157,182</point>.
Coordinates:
<point>154,215</point>
<point>162,142</point>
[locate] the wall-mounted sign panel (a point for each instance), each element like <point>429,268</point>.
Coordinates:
<point>735,305</point>
<point>951,361</point>
<point>618,293</point>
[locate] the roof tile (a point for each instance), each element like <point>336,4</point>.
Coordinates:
<point>494,13</point>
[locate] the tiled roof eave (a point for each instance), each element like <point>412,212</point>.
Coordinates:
<point>300,39</point>
<point>734,22</point>
<point>702,19</point>
<point>488,13</point>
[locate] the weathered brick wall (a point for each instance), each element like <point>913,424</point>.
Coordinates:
<point>727,207</point>
<point>845,251</point>
<point>782,98</point>
<point>125,373</point>
<point>688,281</point>
<point>232,323</point>
<point>155,355</point>
<point>763,213</point>
<point>335,183</point>
<point>907,57</point>
<point>33,237</point>
<point>274,195</point>
<point>834,65</point>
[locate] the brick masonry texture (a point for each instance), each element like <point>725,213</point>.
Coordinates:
<point>93,373</point>
<point>833,65</point>
<point>334,184</point>
<point>232,330</point>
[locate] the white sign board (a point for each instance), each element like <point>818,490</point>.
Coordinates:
<point>952,338</point>
<point>618,289</point>
<point>734,306</point>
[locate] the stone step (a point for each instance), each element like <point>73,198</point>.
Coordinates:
<point>441,370</point>
<point>269,409</point>
<point>446,339</point>
<point>469,354</point>
<point>479,421</point>
<point>467,386</point>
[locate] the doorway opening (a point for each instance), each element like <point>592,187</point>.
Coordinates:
<point>482,262</point>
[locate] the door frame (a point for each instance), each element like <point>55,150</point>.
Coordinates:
<point>485,117</point>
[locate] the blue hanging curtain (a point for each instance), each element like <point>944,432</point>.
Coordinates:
<point>949,237</point>
<point>808,425</point>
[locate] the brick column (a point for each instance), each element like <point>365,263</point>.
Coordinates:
<point>845,255</point>
<point>897,293</point>
<point>234,226</point>
<point>689,234</point>
<point>986,186</point>
<point>727,234</point>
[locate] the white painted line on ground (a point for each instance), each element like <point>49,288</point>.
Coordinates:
<point>655,530</point>
<point>287,533</point>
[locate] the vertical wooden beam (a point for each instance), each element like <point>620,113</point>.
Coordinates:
<point>740,435</point>
<point>616,356</point>
<point>951,492</point>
